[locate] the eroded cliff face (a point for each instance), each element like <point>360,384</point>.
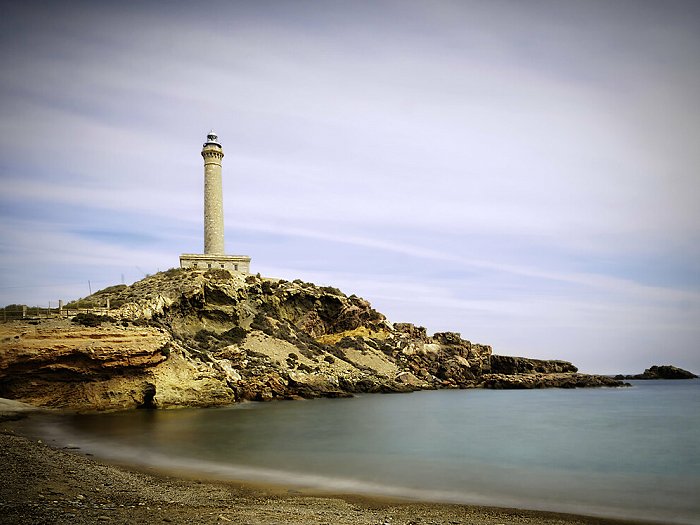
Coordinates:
<point>192,338</point>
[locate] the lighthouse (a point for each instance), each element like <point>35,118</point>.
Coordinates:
<point>213,154</point>
<point>214,256</point>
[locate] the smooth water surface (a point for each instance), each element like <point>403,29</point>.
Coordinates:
<point>629,452</point>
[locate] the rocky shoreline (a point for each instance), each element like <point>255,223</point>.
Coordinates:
<point>196,338</point>
<point>42,484</point>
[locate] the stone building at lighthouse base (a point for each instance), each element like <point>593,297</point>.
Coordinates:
<point>235,263</point>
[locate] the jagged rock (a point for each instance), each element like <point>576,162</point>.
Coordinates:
<point>501,364</point>
<point>194,338</point>
<point>411,330</point>
<point>546,380</point>
<point>661,372</point>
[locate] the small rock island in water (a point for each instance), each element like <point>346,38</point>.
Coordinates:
<point>189,337</point>
<point>660,372</point>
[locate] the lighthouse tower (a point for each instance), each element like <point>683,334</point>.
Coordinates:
<point>214,256</point>
<point>213,153</point>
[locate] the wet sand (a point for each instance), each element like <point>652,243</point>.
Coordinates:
<point>42,484</point>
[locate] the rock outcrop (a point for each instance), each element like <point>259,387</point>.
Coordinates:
<point>523,373</point>
<point>502,364</point>
<point>193,338</point>
<point>546,380</point>
<point>660,372</point>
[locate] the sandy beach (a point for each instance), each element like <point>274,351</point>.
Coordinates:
<point>42,484</point>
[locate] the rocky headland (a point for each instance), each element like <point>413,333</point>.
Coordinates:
<point>194,338</point>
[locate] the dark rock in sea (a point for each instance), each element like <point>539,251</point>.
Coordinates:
<point>661,372</point>
<point>550,380</point>
<point>523,373</point>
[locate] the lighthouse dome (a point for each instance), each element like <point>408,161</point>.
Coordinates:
<point>212,139</point>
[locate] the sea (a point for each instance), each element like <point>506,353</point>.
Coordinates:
<point>616,452</point>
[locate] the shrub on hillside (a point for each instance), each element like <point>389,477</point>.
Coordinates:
<point>90,319</point>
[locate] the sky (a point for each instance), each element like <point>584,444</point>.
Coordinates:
<point>522,172</point>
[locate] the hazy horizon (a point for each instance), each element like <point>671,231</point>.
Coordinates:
<point>524,173</point>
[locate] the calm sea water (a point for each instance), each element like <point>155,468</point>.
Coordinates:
<point>631,452</point>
